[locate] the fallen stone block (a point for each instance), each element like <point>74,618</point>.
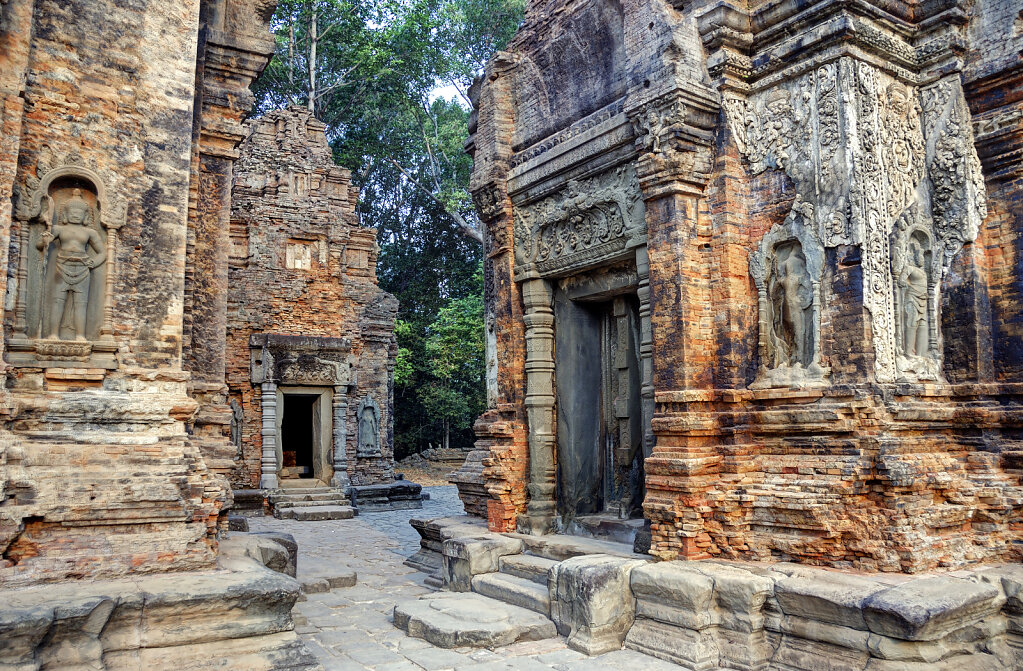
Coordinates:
<point>314,585</point>
<point>288,542</point>
<point>452,620</point>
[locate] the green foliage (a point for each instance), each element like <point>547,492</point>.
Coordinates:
<point>375,64</point>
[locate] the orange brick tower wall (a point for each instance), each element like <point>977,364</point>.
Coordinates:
<point>749,127</point>
<point>302,266</point>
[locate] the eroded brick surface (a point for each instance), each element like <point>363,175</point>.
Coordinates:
<point>750,128</point>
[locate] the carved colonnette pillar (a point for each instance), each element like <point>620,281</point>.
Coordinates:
<point>268,460</point>
<point>339,429</point>
<point>537,300</point>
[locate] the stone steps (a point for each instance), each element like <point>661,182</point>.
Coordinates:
<point>457,619</point>
<point>318,496</point>
<point>528,567</point>
<point>559,548</point>
<point>299,503</point>
<point>515,591</point>
<point>310,504</point>
<point>314,513</point>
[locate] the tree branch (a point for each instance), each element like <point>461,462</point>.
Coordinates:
<point>464,227</point>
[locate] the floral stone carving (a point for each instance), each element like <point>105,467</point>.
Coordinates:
<point>881,164</point>
<point>589,222</point>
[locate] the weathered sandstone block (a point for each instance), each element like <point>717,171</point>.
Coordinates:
<point>468,556</point>
<point>591,603</point>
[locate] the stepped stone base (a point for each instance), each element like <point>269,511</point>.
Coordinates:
<point>705,615</point>
<point>397,495</point>
<point>452,620</point>
<point>713,614</point>
<point>514,590</point>
<point>180,621</point>
<point>315,513</point>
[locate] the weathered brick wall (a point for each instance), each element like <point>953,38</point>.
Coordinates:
<point>288,193</point>
<point>872,463</point>
<point>98,476</point>
<point>108,88</point>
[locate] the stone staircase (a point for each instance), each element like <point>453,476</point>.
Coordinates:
<point>522,582</point>
<point>309,501</point>
<point>506,587</point>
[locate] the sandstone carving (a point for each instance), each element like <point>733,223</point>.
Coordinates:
<point>369,428</point>
<point>588,222</point>
<point>78,250</point>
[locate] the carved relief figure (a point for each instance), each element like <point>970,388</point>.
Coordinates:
<point>369,428</point>
<point>69,266</point>
<point>791,295</point>
<point>236,424</point>
<point>914,285</point>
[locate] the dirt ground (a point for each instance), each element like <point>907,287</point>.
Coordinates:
<point>430,476</point>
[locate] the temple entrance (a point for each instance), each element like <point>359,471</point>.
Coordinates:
<point>599,412</point>
<point>303,433</point>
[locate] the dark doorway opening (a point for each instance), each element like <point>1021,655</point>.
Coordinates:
<point>297,434</point>
<point>599,414</point>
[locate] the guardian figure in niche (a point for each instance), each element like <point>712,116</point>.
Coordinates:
<point>70,264</point>
<point>369,428</point>
<point>913,283</point>
<point>791,296</point>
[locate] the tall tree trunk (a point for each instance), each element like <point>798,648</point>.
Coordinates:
<point>291,57</point>
<point>313,36</point>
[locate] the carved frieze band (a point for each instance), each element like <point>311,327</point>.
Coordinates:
<point>586,223</point>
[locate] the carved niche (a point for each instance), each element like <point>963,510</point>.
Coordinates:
<point>369,429</point>
<point>589,222</point>
<point>787,270</point>
<point>881,164</point>
<point>68,234</point>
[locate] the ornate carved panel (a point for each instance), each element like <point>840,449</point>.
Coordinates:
<point>69,221</point>
<point>300,360</point>
<point>875,161</point>
<point>589,222</point>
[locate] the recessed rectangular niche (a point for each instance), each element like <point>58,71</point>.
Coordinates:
<point>299,254</point>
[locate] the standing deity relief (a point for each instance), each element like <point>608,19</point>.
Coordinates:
<point>874,162</point>
<point>68,238</point>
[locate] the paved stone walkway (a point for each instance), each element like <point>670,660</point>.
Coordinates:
<point>350,629</point>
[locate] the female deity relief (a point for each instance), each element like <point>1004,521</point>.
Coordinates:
<point>791,295</point>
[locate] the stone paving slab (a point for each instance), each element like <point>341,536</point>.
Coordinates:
<point>351,629</point>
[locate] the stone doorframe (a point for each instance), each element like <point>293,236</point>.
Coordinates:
<point>322,447</point>
<point>538,304</point>
<point>302,362</point>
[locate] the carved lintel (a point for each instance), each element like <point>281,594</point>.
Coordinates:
<point>589,222</point>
